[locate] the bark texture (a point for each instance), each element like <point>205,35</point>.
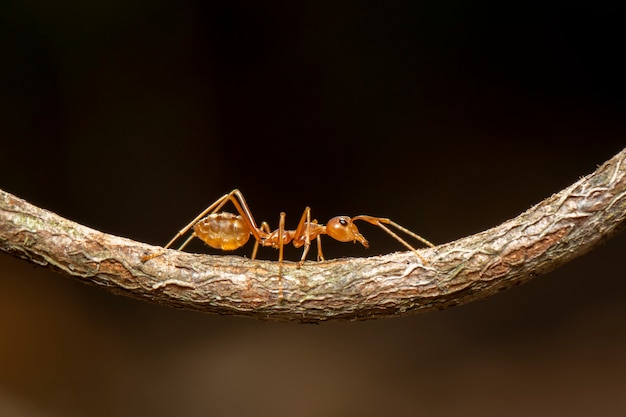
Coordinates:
<point>551,233</point>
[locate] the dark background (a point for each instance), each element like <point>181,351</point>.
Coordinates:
<point>447,116</point>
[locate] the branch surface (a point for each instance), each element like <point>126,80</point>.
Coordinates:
<point>551,233</point>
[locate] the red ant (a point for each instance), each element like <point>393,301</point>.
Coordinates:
<point>227,231</point>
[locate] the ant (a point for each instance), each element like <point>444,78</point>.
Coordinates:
<point>227,231</point>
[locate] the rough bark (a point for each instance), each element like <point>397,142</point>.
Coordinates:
<point>551,233</point>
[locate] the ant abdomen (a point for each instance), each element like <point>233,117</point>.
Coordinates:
<point>224,231</point>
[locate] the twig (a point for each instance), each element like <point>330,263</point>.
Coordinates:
<point>553,232</point>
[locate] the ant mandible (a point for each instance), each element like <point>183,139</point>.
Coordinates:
<point>227,231</point>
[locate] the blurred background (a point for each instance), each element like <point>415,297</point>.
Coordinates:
<point>447,116</point>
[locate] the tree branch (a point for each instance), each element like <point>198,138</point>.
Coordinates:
<point>553,232</point>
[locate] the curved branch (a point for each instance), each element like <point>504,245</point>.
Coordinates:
<point>553,232</point>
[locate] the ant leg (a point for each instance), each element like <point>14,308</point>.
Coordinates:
<point>265,228</point>
<point>281,232</point>
<point>320,255</point>
<point>153,255</point>
<point>239,202</point>
<point>305,223</point>
<point>306,230</point>
<point>259,233</point>
<point>186,242</point>
<point>237,199</point>
<point>216,205</point>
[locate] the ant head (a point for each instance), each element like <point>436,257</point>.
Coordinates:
<point>342,228</point>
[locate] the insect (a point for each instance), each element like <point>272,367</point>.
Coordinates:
<point>228,231</point>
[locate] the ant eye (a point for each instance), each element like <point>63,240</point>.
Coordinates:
<point>343,222</point>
